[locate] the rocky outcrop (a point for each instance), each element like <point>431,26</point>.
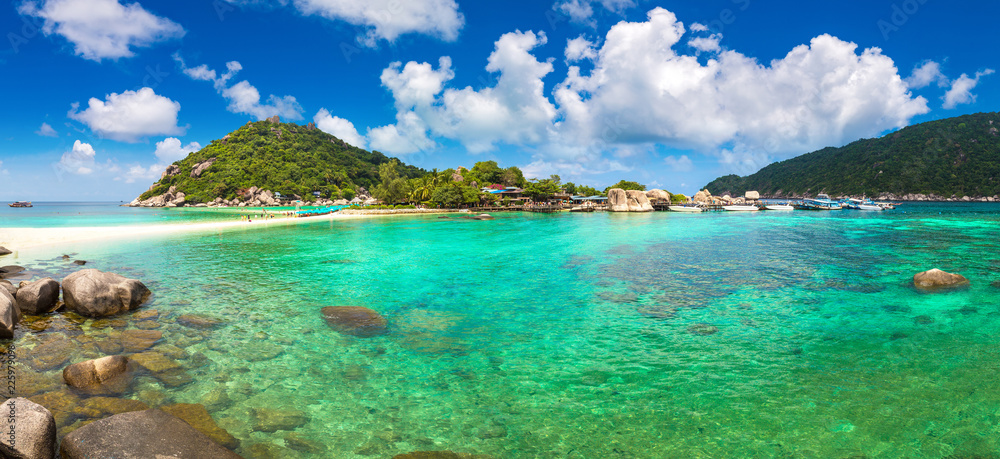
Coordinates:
<point>702,197</point>
<point>10,288</point>
<point>201,167</point>
<point>4,251</point>
<point>32,426</point>
<point>638,202</point>
<point>172,198</point>
<point>937,280</point>
<point>628,201</point>
<point>658,195</point>
<point>617,200</point>
<point>112,370</point>
<point>39,297</point>
<point>753,195</point>
<point>274,119</point>
<point>150,433</point>
<point>171,171</point>
<point>10,315</point>
<point>355,320</point>
<point>93,293</point>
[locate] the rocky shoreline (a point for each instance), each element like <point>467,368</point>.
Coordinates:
<point>252,197</point>
<point>908,197</point>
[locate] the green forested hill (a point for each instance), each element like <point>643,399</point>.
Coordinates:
<point>951,157</point>
<point>281,157</point>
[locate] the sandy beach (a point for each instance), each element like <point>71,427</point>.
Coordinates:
<point>26,238</point>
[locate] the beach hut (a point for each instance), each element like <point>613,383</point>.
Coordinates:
<point>357,201</point>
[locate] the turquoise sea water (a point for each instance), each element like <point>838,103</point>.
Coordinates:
<point>771,334</point>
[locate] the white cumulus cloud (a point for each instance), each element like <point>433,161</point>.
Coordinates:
<point>243,97</point>
<point>47,131</point>
<point>579,49</point>
<point>338,127</point>
<point>79,160</point>
<point>383,19</point>
<point>514,111</point>
<point>582,11</point>
<point>170,149</point>
<point>961,90</point>
<point>100,29</point>
<point>644,90</point>
<point>130,116</point>
<point>925,74</point>
<point>136,173</point>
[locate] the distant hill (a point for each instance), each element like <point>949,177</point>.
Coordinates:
<point>948,158</point>
<point>280,157</point>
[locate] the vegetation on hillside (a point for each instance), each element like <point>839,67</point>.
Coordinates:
<point>951,157</point>
<point>281,157</point>
<point>298,161</point>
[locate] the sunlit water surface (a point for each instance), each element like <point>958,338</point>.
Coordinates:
<point>772,334</point>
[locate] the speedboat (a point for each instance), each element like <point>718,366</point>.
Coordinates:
<point>684,208</point>
<point>779,207</point>
<point>740,208</point>
<point>860,204</point>
<point>21,204</point>
<point>821,202</point>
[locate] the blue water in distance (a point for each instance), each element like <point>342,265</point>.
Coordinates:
<point>766,334</point>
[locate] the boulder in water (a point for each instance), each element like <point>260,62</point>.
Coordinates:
<point>638,202</point>
<point>617,200</point>
<point>937,280</point>
<point>109,370</point>
<point>4,251</point>
<point>39,297</point>
<point>149,433</point>
<point>93,293</point>
<point>33,428</point>
<point>354,320</point>
<point>10,315</point>
<point>658,195</point>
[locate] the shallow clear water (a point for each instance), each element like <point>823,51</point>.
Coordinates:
<point>90,214</point>
<point>782,334</point>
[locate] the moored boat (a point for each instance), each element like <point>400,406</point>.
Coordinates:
<point>684,208</point>
<point>860,204</point>
<point>821,202</point>
<point>779,207</point>
<point>740,208</point>
<point>21,204</point>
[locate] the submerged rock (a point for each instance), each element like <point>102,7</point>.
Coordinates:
<point>199,321</point>
<point>33,428</point>
<point>936,280</point>
<point>197,416</point>
<point>39,297</point>
<point>51,354</point>
<point>275,419</point>
<point>110,373</point>
<point>139,340</point>
<point>703,329</point>
<point>355,320</point>
<point>93,293</point>
<point>150,433</point>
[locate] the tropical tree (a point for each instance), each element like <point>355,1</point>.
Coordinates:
<point>627,185</point>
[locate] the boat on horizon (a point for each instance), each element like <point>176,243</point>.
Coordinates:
<point>21,204</point>
<point>861,204</point>
<point>821,202</point>
<point>740,208</point>
<point>684,208</point>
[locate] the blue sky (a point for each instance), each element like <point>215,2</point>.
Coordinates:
<point>99,96</point>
